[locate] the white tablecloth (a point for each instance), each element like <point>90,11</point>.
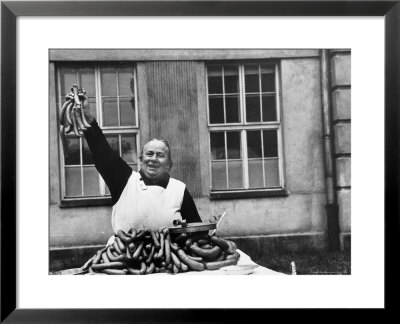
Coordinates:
<point>244,260</point>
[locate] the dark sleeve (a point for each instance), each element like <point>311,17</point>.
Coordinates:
<point>114,170</point>
<point>188,209</point>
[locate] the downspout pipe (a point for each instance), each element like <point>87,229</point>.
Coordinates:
<point>332,210</point>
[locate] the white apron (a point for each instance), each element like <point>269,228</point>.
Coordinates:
<point>143,207</point>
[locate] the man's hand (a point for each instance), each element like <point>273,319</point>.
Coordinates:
<point>80,98</point>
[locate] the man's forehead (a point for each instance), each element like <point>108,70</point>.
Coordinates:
<point>155,145</point>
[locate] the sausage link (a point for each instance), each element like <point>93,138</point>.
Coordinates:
<point>138,251</point>
<point>175,269</point>
<point>150,268</point>
<point>154,238</point>
<point>234,256</point>
<point>132,232</point>
<point>181,238</point>
<point>143,268</point>
<point>160,253</point>
<point>109,265</point>
<point>116,247</point>
<point>128,253</point>
<point>151,255</point>
<point>113,258</point>
<point>184,267</point>
<point>167,249</point>
<point>121,245</point>
<point>206,254</point>
<point>88,263</point>
<point>232,247</point>
<point>195,237</point>
<point>174,246</point>
<point>133,271</point>
<point>123,237</point>
<point>203,241</point>
<point>195,258</point>
<point>223,244</point>
<point>140,234</point>
<point>115,271</point>
<point>97,257</point>
<point>104,257</point>
<point>193,265</point>
<point>131,246</point>
<point>175,260</point>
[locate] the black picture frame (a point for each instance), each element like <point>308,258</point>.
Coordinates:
<point>10,10</point>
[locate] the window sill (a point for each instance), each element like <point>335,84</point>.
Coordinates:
<point>239,194</point>
<point>86,202</point>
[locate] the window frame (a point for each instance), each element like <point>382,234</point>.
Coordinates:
<point>243,126</point>
<point>103,198</point>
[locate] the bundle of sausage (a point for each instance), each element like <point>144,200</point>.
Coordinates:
<point>140,252</point>
<point>72,117</point>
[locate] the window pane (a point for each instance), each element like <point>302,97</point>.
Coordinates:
<point>218,174</point>
<point>231,75</point>
<point>93,107</point>
<point>232,106</point>
<point>86,154</point>
<point>270,143</point>
<point>271,173</point>
<point>127,111</point>
<point>113,141</point>
<point>128,147</point>
<point>110,112</point>
<point>68,77</point>
<point>235,174</point>
<point>72,152</point>
<point>215,79</point>
<point>252,80</point>
<point>233,145</point>
<point>87,81</point>
<point>126,82</point>
<point>255,173</point>
<point>91,185</point>
<point>254,144</point>
<point>253,108</point>
<point>108,81</point>
<point>269,108</point>
<point>73,181</point>
<point>217,145</point>
<point>216,110</point>
<point>268,78</point>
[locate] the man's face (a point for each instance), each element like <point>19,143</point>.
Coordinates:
<point>155,163</point>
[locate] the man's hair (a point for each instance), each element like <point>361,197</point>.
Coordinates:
<point>166,144</point>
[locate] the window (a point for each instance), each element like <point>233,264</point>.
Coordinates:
<point>244,127</point>
<point>111,89</point>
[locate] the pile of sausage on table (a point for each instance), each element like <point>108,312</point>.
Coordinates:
<point>141,252</point>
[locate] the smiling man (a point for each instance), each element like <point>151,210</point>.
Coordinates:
<point>146,199</point>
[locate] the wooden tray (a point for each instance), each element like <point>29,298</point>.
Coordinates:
<point>192,227</point>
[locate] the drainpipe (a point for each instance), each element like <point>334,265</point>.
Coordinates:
<point>332,210</point>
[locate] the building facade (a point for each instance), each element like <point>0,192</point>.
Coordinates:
<point>263,135</point>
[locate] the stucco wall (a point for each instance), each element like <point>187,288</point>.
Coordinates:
<point>302,211</point>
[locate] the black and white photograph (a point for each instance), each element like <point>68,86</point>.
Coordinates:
<point>200,161</point>
<point>187,161</point>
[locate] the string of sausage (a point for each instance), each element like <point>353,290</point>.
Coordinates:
<point>141,252</point>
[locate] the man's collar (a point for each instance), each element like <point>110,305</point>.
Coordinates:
<point>162,182</point>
